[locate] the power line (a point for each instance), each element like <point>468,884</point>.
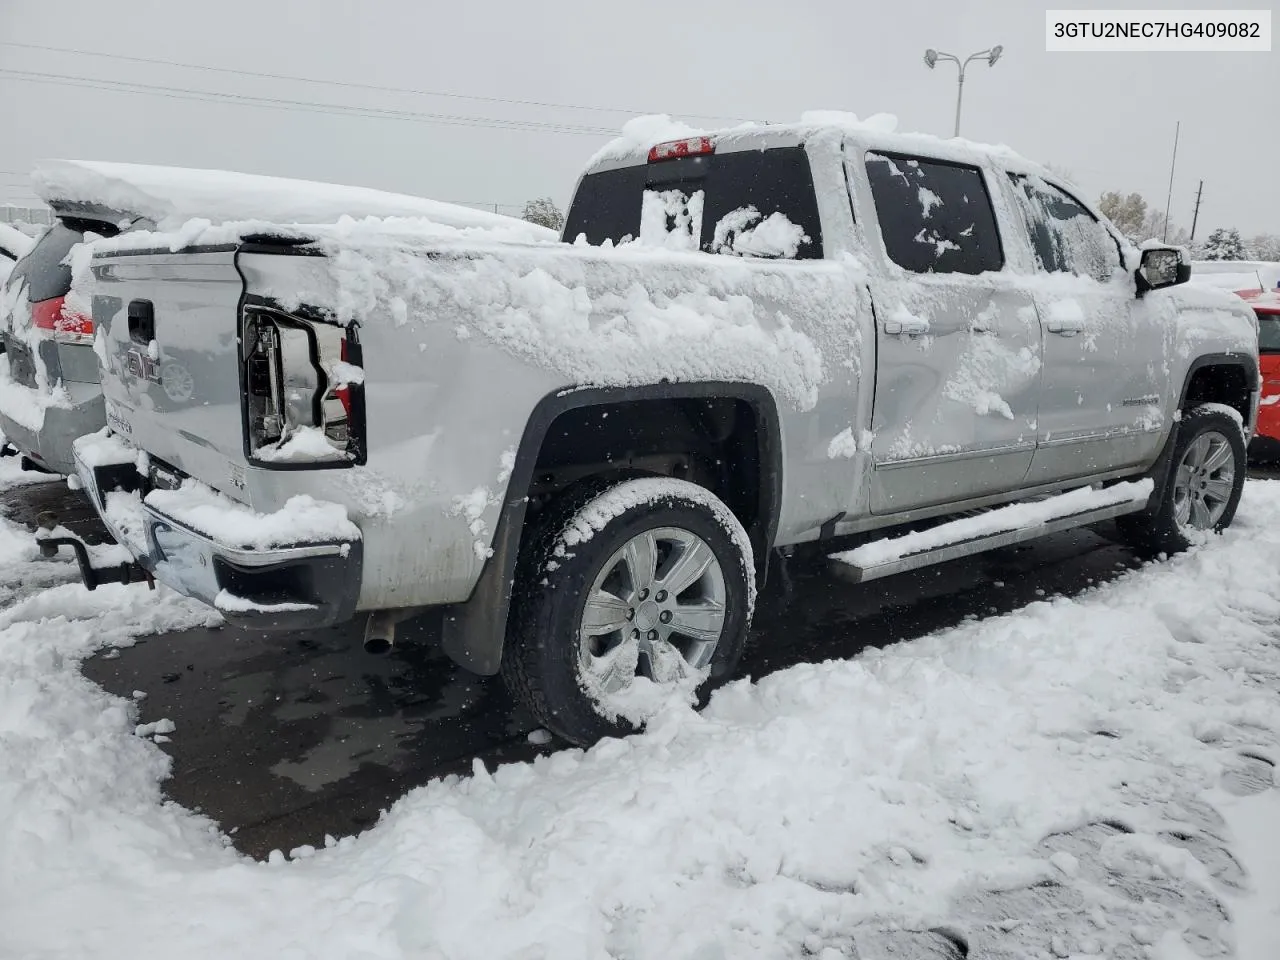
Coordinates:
<point>344,83</point>
<point>281,103</point>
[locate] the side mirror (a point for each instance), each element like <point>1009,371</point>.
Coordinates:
<point>1161,267</point>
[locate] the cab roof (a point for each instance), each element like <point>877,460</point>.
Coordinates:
<point>880,131</point>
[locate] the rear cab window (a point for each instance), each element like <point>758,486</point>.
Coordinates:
<point>935,216</point>
<point>747,203</point>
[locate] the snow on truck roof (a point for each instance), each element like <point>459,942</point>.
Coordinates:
<point>641,134</point>
<point>172,196</point>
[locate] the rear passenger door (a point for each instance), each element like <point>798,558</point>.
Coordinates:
<point>958,341</point>
<point>1105,374</point>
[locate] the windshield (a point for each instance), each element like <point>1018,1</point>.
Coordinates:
<point>753,203</point>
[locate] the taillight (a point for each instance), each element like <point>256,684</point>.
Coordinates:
<point>62,324</point>
<point>343,393</point>
<point>692,147</point>
<point>299,382</point>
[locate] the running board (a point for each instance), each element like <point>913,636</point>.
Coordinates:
<point>1001,527</point>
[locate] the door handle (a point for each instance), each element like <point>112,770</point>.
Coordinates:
<point>911,326</point>
<point>1064,328</point>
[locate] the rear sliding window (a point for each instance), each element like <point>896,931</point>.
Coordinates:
<point>935,217</point>
<point>754,203</point>
<point>43,268</point>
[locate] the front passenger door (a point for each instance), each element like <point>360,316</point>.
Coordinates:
<point>1104,380</point>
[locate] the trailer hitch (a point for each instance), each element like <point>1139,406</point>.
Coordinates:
<point>92,576</point>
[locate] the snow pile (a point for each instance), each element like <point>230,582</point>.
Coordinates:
<point>1043,783</point>
<point>876,123</point>
<point>302,519</point>
<point>639,134</point>
<point>601,317</point>
<point>178,198</point>
<point>301,445</point>
<point>842,445</point>
<point>26,406</point>
<point>1013,517</point>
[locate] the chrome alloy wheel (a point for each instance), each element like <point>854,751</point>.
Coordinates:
<point>1203,482</point>
<point>656,609</point>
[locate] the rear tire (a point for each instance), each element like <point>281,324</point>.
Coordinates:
<point>590,612</point>
<point>1203,488</point>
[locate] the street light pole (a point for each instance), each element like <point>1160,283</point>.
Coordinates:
<point>931,58</point>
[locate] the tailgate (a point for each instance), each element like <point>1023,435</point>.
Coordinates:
<point>169,327</point>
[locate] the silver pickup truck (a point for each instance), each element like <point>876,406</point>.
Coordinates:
<point>588,455</point>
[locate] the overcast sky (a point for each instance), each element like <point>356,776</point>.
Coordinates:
<point>1106,118</point>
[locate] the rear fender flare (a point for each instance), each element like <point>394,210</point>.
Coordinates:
<point>473,632</point>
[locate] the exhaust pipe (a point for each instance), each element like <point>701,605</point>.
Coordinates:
<point>380,632</point>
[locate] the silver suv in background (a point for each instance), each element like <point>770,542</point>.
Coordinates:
<point>49,392</point>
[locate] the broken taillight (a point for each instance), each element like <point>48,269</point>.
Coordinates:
<point>299,378</point>
<point>60,323</point>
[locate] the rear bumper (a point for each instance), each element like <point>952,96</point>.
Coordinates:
<point>51,445</point>
<point>288,587</point>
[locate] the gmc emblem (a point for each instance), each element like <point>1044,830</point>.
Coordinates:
<point>142,366</point>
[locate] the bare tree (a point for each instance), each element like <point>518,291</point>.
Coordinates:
<point>544,212</point>
<point>1135,218</point>
<point>1265,246</point>
<point>1129,213</point>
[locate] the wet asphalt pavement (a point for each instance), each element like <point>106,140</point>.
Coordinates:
<point>283,738</point>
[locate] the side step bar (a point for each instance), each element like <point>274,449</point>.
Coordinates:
<point>1001,527</point>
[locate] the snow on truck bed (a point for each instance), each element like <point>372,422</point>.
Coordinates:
<point>1078,778</point>
<point>597,316</point>
<point>172,196</point>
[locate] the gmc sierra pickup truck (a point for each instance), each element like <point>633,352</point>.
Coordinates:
<point>589,453</point>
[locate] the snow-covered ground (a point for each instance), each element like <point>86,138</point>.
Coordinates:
<point>1083,777</point>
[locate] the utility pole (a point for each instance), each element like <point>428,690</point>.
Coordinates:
<point>1196,214</point>
<point>1172,166</point>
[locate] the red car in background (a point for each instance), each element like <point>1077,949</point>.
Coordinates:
<point>1266,304</point>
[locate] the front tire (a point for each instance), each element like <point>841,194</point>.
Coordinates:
<point>650,578</point>
<point>1203,488</point>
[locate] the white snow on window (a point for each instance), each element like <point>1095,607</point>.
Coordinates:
<point>929,200</point>
<point>939,243</point>
<point>742,233</point>
<point>671,219</point>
